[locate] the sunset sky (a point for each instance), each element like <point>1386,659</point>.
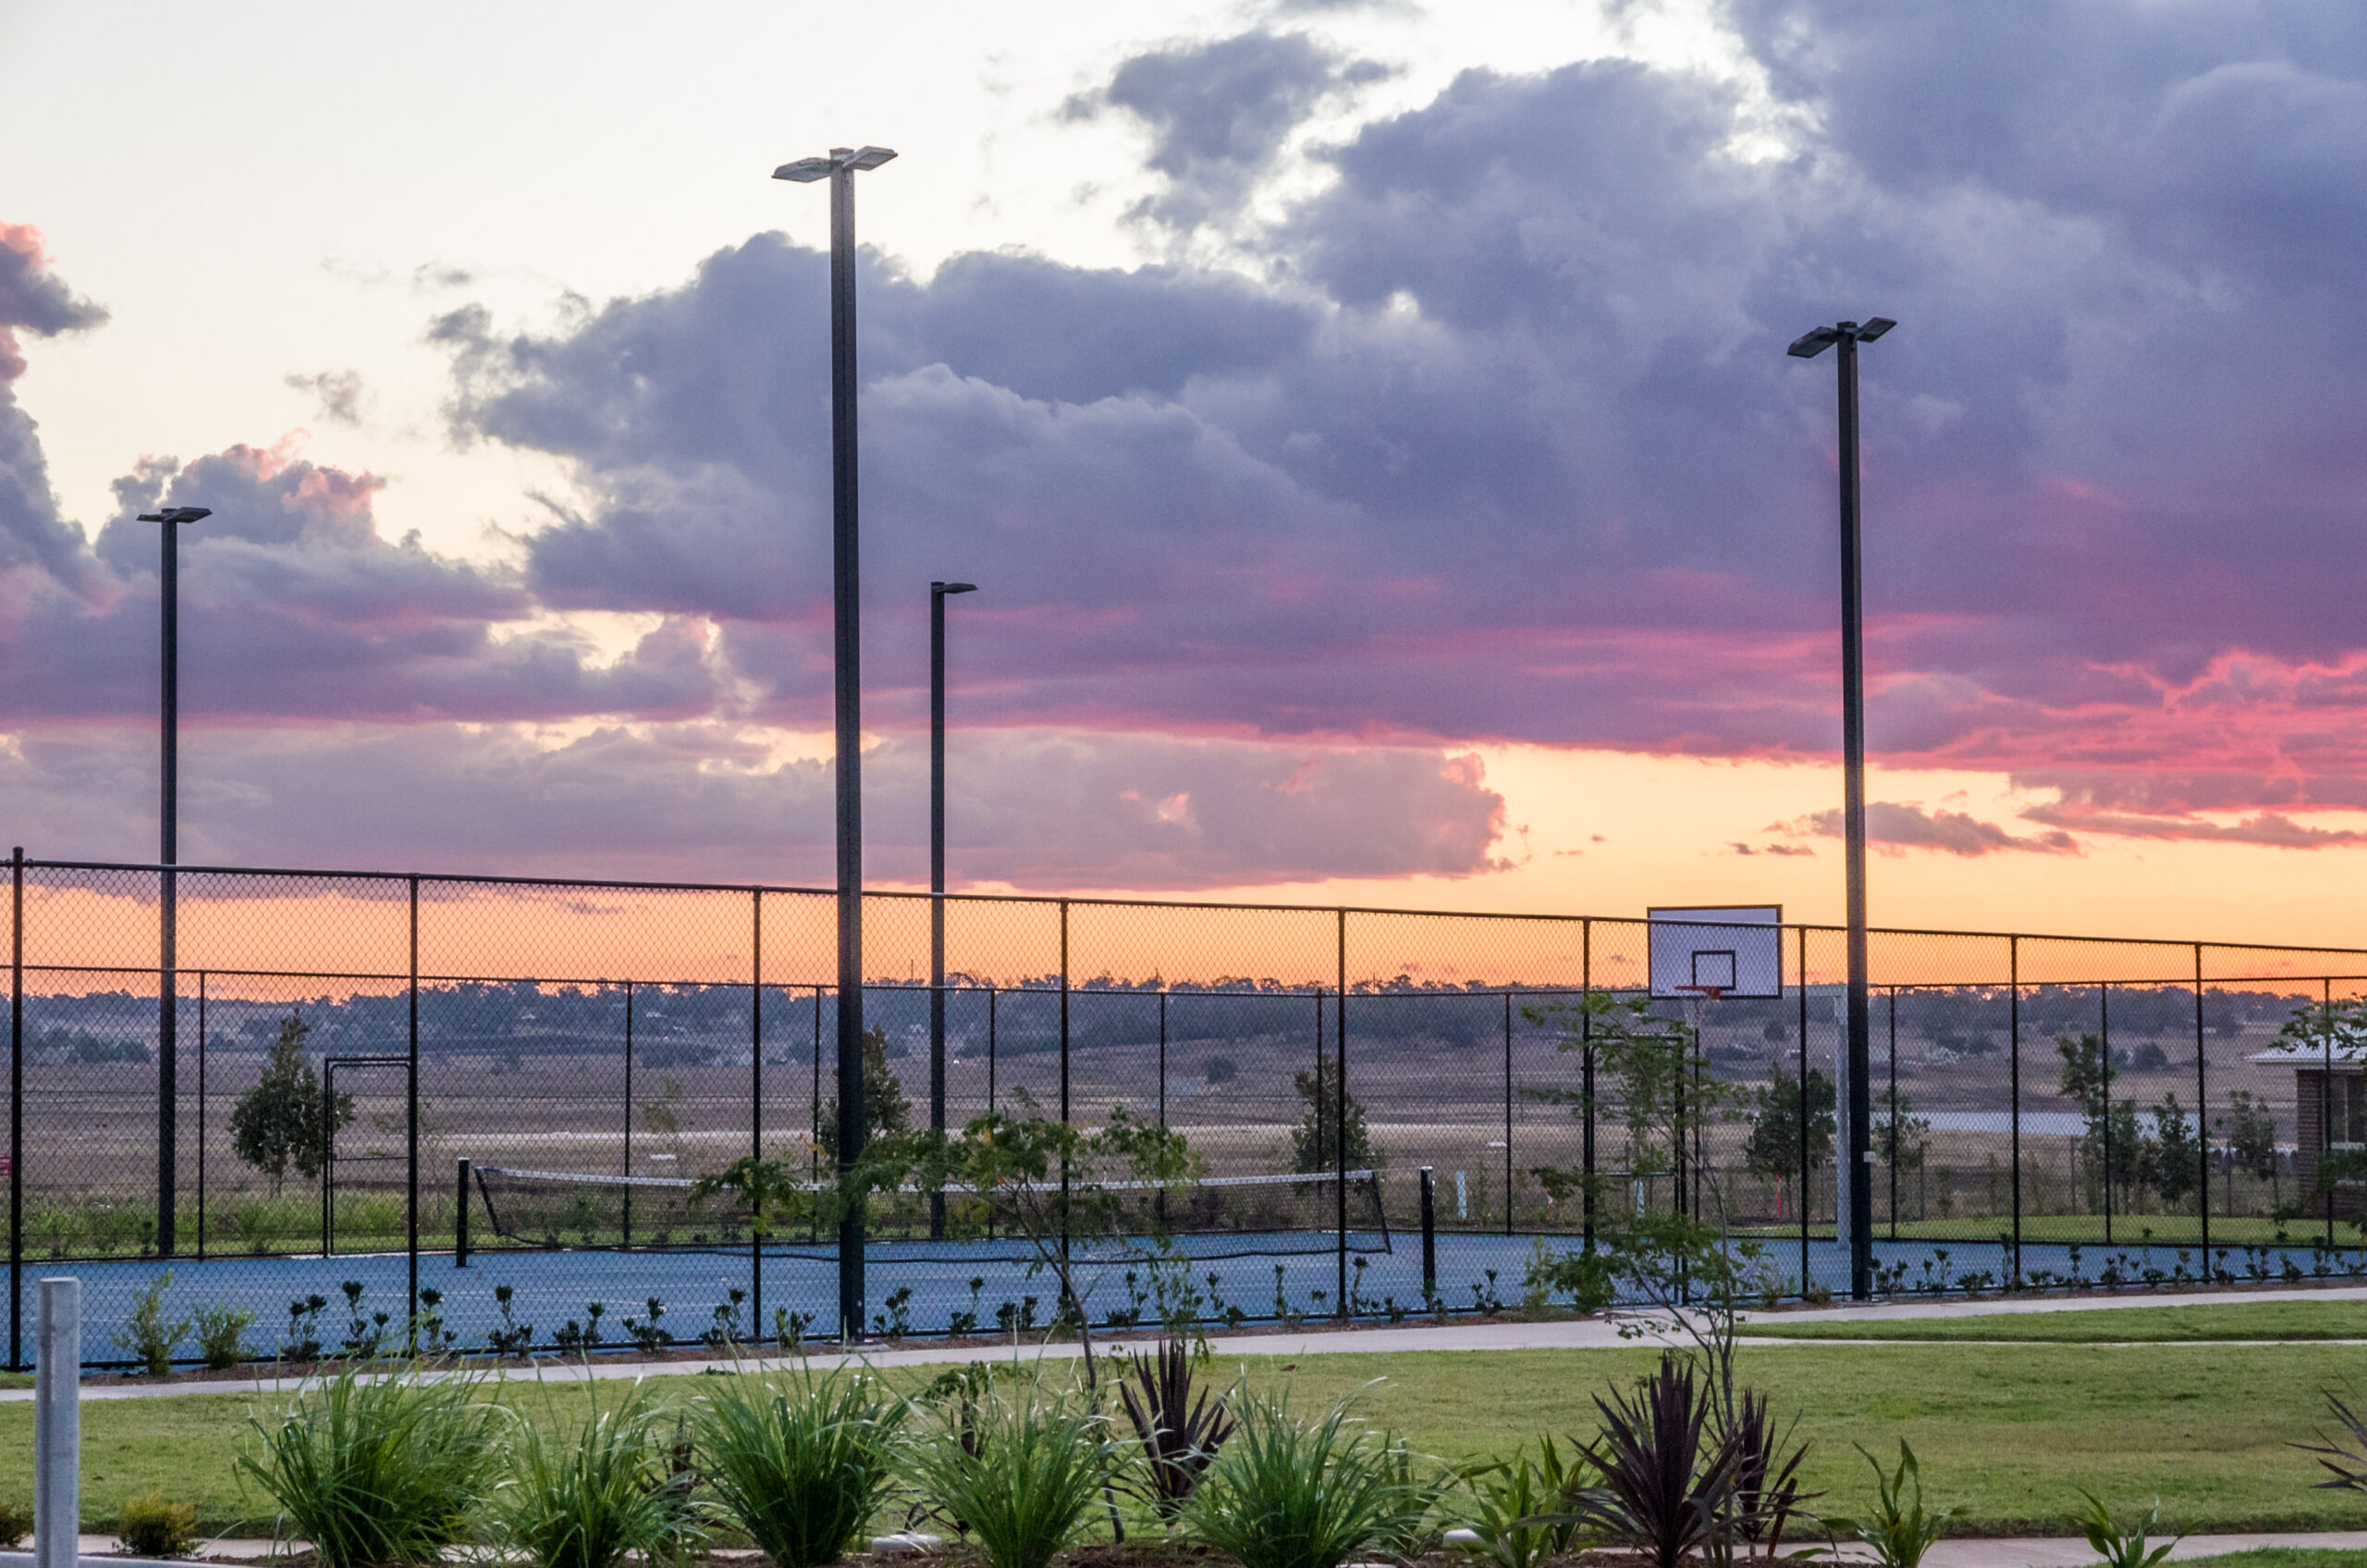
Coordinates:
<point>1368,424</point>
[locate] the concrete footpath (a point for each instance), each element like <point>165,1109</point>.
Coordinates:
<point>1580,1334</point>
<point>2039,1551</point>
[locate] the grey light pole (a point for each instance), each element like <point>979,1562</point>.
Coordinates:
<point>839,169</point>
<point>169,891</point>
<point>936,596</point>
<point>1857,1137</point>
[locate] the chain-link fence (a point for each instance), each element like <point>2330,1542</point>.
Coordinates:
<point>281,1119</point>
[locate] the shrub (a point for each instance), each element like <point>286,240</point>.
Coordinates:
<point>589,1501</point>
<point>16,1524</point>
<point>1665,1479</point>
<point>1517,1507</point>
<point>1018,1473</point>
<point>2348,1466</point>
<point>221,1335</point>
<point>377,1470</point>
<point>2125,1549</point>
<point>1900,1529</point>
<point>1180,1435</point>
<point>1292,1495</point>
<point>800,1461</point>
<point>149,1526</point>
<point>148,1333</point>
<point>1767,1493</point>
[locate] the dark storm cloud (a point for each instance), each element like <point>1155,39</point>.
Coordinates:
<point>1219,114</point>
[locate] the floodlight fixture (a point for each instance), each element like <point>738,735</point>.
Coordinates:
<point>178,514</point>
<point>1874,328</point>
<point>952,587</point>
<point>1809,345</point>
<point>805,171</point>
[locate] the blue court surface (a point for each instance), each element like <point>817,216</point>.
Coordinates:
<point>548,1288</point>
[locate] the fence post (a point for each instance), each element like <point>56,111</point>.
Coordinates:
<point>2013,1057</point>
<point>411,1112</point>
<point>167,1061</point>
<point>756,1096</point>
<point>328,1156</point>
<point>17,1112</point>
<point>1064,1076</point>
<point>1340,1117</point>
<point>1508,1113</point>
<point>1893,1113</point>
<point>460,1219</point>
<point>1430,1238</point>
<point>200,1115</point>
<point>2201,1124</point>
<point>1807,1280</point>
<point>2103,1031</point>
<point>2325,1108</point>
<point>1586,1056</point>
<point>628,1161</point>
<point>58,1426</point>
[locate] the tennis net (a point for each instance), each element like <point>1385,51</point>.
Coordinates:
<point>1212,1218</point>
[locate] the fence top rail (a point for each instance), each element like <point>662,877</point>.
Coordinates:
<point>1065,901</point>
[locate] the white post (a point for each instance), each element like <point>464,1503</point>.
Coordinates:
<point>58,1426</point>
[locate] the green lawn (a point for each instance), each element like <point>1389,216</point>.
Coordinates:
<point>2246,1320</point>
<point>2007,1434</point>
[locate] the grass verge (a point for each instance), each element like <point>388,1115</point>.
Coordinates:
<point>2119,1325</point>
<point>2006,1433</point>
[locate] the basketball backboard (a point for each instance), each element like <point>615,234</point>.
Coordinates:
<point>1723,950</point>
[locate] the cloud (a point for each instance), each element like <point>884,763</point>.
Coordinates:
<point>1904,825</point>
<point>1037,810</point>
<point>338,391</point>
<point>2273,829</point>
<point>294,611</point>
<point>1487,434</point>
<point>1220,112</point>
<point>33,299</point>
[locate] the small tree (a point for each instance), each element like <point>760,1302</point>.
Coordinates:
<point>1313,1141</point>
<point>278,1123</point>
<point>2174,1153</point>
<point>1901,1137</point>
<point>2112,1147</point>
<point>885,1109</point>
<point>2250,1128</point>
<point>1773,1146</point>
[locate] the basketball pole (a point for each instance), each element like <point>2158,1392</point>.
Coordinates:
<point>1857,1135</point>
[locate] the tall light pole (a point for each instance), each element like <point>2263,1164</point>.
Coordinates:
<point>839,169</point>
<point>937,592</point>
<point>1857,1145</point>
<point>168,855</point>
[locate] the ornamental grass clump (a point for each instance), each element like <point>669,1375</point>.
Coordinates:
<point>590,1500</point>
<point>800,1461</point>
<point>1288,1494</point>
<point>1018,1471</point>
<point>376,1469</point>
